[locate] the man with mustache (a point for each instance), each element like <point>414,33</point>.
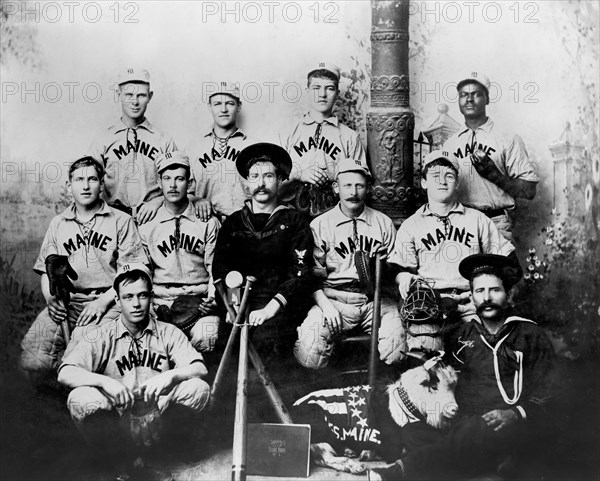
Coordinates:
<point>213,155</point>
<point>430,243</point>
<point>343,303</point>
<point>506,380</point>
<point>180,247</point>
<point>271,242</point>
<point>494,164</point>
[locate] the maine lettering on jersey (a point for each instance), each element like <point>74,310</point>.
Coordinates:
<point>215,156</point>
<point>325,145</point>
<point>95,239</point>
<point>469,149</point>
<point>153,360</point>
<point>454,234</point>
<point>365,244</point>
<point>140,147</point>
<point>185,241</point>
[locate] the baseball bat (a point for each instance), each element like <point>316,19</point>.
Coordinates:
<point>274,397</point>
<point>240,431</point>
<point>374,353</point>
<point>228,352</point>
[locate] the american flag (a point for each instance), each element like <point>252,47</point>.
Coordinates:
<point>346,413</point>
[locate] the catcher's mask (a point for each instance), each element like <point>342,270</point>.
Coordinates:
<point>421,305</point>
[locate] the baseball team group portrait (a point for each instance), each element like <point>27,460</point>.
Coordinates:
<point>350,240</point>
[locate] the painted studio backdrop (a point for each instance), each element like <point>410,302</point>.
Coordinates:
<point>59,63</point>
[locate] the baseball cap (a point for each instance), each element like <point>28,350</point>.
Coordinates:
<point>227,88</point>
<point>125,270</point>
<point>477,77</point>
<point>334,69</point>
<point>352,165</point>
<point>132,74</point>
<point>440,155</point>
<point>269,152</point>
<point>168,159</point>
<point>509,274</point>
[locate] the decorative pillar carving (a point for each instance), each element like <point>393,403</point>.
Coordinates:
<point>390,121</point>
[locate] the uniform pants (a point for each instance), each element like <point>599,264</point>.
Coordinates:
<point>44,343</point>
<point>101,423</point>
<point>315,342</point>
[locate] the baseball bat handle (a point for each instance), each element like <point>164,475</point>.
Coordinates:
<point>374,353</point>
<point>247,288</point>
<point>221,291</point>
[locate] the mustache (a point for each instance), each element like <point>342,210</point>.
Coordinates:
<point>261,189</point>
<point>488,304</point>
<point>352,199</point>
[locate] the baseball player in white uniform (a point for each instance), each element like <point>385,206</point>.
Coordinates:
<point>342,305</point>
<point>130,148</point>
<point>213,156</point>
<point>136,382</point>
<point>318,141</point>
<point>96,238</point>
<point>181,248</point>
<point>494,164</point>
<point>431,243</point>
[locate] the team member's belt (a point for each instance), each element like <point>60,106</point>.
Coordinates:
<point>493,212</point>
<point>353,286</point>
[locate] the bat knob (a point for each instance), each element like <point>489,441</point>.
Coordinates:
<point>251,279</point>
<point>234,279</point>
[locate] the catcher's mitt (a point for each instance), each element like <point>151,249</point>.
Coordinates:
<point>59,271</point>
<point>142,422</point>
<point>183,313</point>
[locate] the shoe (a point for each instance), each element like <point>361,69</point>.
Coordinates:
<point>393,472</point>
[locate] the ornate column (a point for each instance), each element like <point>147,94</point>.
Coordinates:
<point>390,121</point>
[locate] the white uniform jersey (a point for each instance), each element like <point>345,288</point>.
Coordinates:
<point>129,157</point>
<point>310,143</point>
<point>336,241</point>
<point>184,255</point>
<point>508,153</point>
<point>215,174</point>
<point>114,352</point>
<point>432,248</point>
<point>95,250</point>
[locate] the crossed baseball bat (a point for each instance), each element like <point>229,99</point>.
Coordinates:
<point>234,281</point>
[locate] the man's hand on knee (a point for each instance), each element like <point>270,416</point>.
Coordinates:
<point>332,319</point>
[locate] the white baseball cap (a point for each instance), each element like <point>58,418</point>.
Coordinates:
<point>352,165</point>
<point>132,74</point>
<point>227,88</point>
<point>440,155</point>
<point>477,77</point>
<point>168,159</point>
<point>334,69</point>
<point>126,269</point>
